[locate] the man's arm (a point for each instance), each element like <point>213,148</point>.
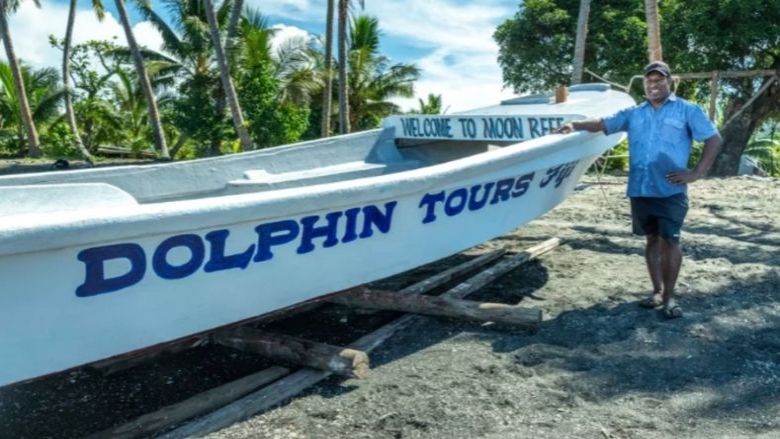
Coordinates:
<point>592,125</point>
<point>708,154</point>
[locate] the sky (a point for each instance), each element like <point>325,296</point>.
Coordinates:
<point>449,40</point>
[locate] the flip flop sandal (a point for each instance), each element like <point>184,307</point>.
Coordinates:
<point>650,302</point>
<point>673,312</point>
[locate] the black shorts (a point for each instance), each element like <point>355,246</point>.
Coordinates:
<point>659,216</point>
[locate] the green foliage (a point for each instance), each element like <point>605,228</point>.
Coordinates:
<point>695,155</point>
<point>431,106</point>
<point>195,109</point>
<point>536,47</point>
<point>44,96</point>
<point>269,122</point>
<point>373,80</point>
<point>278,87</point>
<point>767,152</point>
<point>616,159</point>
<point>58,142</point>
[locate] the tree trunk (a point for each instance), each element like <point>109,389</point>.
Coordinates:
<point>740,126</point>
<point>327,95</point>
<point>34,145</point>
<point>227,81</point>
<point>579,45</point>
<point>343,61</point>
<point>69,113</point>
<point>654,51</point>
<point>735,137</point>
<point>235,15</point>
<point>146,85</point>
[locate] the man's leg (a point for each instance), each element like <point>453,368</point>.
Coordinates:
<point>654,258</point>
<point>671,260</point>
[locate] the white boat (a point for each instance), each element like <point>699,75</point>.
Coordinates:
<point>101,262</point>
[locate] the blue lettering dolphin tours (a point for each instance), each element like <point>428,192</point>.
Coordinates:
<point>208,253</point>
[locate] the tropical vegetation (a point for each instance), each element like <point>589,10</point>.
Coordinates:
<point>221,82</point>
<point>537,52</point>
<point>218,85</point>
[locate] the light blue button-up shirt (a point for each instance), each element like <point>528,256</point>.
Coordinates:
<point>659,142</point>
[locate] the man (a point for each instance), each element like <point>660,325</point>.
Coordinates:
<point>660,131</point>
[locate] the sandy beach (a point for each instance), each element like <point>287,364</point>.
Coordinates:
<point>599,366</point>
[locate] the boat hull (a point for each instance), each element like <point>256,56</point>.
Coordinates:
<point>91,283</point>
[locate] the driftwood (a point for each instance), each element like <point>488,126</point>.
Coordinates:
<point>293,384</point>
<point>441,306</point>
<point>205,402</point>
<point>349,362</point>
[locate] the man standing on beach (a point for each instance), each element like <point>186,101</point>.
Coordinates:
<point>660,131</point>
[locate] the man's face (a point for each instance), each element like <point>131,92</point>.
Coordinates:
<point>656,87</point>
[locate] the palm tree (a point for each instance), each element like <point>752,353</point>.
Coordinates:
<point>430,106</point>
<point>343,65</point>
<point>129,98</point>
<point>187,59</point>
<point>579,46</point>
<point>654,51</point>
<point>372,80</point>
<point>343,88</point>
<point>327,68</point>
<point>42,92</point>
<point>235,16</point>
<point>24,106</point>
<point>143,77</point>
<point>227,81</point>
<point>97,5</point>
<point>292,63</point>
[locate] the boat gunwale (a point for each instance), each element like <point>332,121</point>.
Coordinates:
<point>38,231</point>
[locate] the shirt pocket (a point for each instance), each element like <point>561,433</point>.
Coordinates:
<point>673,130</point>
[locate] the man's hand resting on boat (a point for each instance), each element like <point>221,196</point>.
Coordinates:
<point>592,125</point>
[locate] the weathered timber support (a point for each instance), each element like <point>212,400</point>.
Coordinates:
<point>349,362</point>
<point>147,425</point>
<point>441,306</point>
<point>294,383</point>
<point>492,273</point>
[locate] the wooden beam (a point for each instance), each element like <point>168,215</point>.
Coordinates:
<point>147,425</point>
<point>492,273</point>
<point>442,306</point>
<point>704,75</point>
<point>714,95</point>
<point>744,106</point>
<point>348,362</point>
<point>453,273</point>
<point>293,384</point>
<point>733,74</point>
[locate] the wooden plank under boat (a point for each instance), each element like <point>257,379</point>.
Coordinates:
<point>100,262</point>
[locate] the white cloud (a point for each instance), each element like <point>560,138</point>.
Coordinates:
<point>31,27</point>
<point>464,81</point>
<point>284,33</point>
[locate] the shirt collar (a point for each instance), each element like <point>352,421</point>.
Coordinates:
<point>671,98</point>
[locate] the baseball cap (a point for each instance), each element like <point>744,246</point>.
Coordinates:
<point>658,66</point>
